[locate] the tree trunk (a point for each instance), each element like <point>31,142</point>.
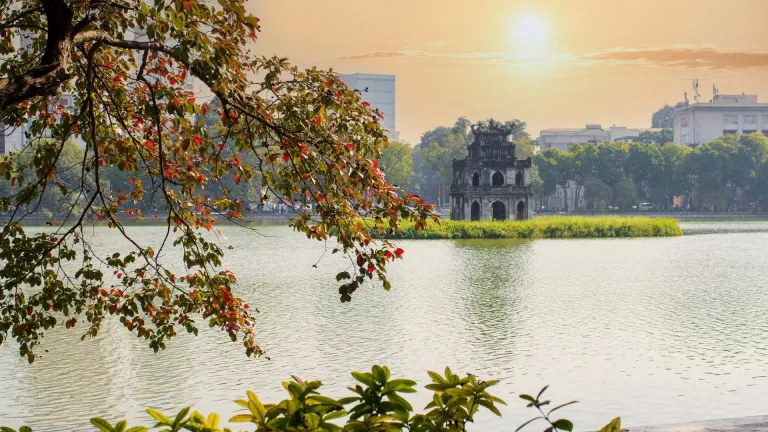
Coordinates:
<point>565,196</point>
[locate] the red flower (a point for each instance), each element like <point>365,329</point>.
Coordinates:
<point>286,157</point>
<point>366,104</point>
<point>371,268</point>
<point>197,139</point>
<point>399,251</point>
<point>349,145</point>
<point>388,254</point>
<point>375,163</point>
<point>175,102</point>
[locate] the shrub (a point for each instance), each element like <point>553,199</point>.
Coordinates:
<point>377,405</point>
<point>540,227</point>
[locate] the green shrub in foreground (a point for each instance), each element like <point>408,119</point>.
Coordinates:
<point>540,227</point>
<point>377,405</point>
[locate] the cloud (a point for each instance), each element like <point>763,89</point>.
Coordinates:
<point>384,54</point>
<point>689,57</point>
<point>683,57</point>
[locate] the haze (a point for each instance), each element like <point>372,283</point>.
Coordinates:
<point>586,61</point>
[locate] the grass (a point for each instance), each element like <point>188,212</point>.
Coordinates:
<point>542,227</point>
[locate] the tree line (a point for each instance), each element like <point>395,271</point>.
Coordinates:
<point>729,173</point>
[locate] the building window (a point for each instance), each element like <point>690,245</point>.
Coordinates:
<point>730,119</point>
<point>765,120</point>
<point>686,139</point>
<point>750,119</point>
<point>684,122</point>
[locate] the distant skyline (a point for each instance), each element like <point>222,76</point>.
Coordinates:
<point>551,63</point>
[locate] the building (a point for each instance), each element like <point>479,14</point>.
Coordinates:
<point>14,138</point>
<point>563,139</point>
<point>379,91</point>
<point>699,123</point>
<point>491,183</point>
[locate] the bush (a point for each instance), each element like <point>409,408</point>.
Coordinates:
<point>377,405</point>
<point>540,227</point>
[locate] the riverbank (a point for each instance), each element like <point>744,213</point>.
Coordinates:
<point>541,227</point>
<point>744,424</point>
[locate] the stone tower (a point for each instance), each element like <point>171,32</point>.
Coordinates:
<point>491,183</point>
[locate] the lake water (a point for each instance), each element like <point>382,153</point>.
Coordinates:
<point>654,330</point>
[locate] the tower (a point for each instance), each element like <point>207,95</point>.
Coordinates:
<point>491,183</point>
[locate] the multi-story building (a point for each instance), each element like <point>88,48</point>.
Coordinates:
<point>563,139</point>
<point>699,123</point>
<point>379,91</point>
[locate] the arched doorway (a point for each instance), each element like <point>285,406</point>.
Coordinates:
<point>476,179</point>
<point>520,211</point>
<point>497,180</point>
<point>475,216</point>
<point>519,179</point>
<point>498,211</point>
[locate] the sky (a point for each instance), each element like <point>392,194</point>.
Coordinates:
<point>550,63</point>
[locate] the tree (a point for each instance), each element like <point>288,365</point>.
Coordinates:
<point>624,193</point>
<point>664,117</point>
<point>126,64</point>
<point>661,137</point>
<point>397,163</point>
<point>556,168</point>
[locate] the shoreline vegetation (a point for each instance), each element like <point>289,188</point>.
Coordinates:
<point>539,228</point>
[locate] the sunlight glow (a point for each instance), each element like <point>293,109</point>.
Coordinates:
<point>531,32</point>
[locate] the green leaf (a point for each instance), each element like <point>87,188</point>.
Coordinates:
<point>137,429</point>
<point>364,378</point>
<point>102,425</point>
<point>120,426</point>
<point>241,418</point>
<point>160,417</point>
<point>563,424</point>
<point>312,421</point>
<point>399,400</point>
<point>213,420</point>
<point>613,426</point>
<point>180,417</point>
<point>527,397</point>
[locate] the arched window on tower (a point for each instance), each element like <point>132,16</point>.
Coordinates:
<point>497,180</point>
<point>519,179</point>
<point>476,179</point>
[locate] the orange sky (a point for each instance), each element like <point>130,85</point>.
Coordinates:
<point>605,61</point>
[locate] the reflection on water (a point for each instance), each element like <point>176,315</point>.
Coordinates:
<point>654,330</point>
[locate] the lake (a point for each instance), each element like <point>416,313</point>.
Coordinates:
<point>655,330</point>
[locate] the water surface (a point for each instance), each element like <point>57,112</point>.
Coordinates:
<point>655,330</point>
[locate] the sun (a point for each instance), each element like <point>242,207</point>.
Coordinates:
<point>531,32</point>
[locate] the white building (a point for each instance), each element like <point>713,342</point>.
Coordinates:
<point>700,123</point>
<point>563,139</point>
<point>379,91</point>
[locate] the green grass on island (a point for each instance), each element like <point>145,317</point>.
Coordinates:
<point>542,227</point>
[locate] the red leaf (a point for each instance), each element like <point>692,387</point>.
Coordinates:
<point>320,197</point>
<point>366,104</point>
<point>360,260</point>
<point>175,101</point>
<point>197,139</point>
<point>388,254</point>
<point>371,269</point>
<point>349,145</point>
<point>233,115</point>
<point>375,163</point>
<point>149,144</point>
<point>399,251</point>
<point>318,119</point>
<point>191,100</point>
<point>286,157</point>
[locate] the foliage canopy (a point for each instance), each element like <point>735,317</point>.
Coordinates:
<point>302,134</point>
